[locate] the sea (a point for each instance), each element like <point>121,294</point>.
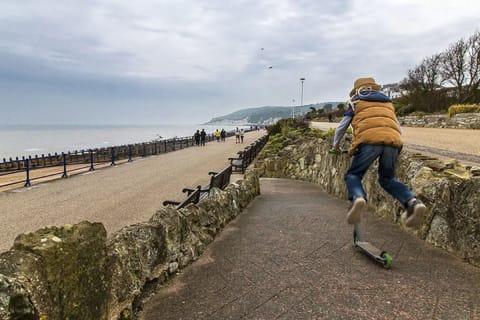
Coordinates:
<point>31,140</point>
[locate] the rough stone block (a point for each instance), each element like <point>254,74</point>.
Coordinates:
<point>135,252</point>
<point>74,263</point>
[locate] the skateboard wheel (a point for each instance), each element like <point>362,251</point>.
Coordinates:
<point>388,260</point>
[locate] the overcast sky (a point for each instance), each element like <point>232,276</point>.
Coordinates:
<point>158,61</point>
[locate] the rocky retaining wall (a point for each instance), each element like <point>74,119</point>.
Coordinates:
<point>450,191</point>
<point>459,121</point>
<point>77,273</point>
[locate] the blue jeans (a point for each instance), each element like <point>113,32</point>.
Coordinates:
<point>363,158</point>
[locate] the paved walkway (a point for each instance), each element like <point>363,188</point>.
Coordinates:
<point>116,196</point>
<point>289,255</point>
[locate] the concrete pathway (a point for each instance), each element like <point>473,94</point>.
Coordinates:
<point>116,196</point>
<point>289,255</point>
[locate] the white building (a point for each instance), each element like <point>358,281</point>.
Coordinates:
<point>392,90</point>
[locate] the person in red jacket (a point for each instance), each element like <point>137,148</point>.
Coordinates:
<point>376,135</point>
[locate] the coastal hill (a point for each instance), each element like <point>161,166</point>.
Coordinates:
<point>268,114</point>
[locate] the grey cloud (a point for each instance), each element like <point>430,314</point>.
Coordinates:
<point>106,57</point>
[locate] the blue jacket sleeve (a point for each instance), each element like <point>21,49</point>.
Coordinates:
<point>341,129</point>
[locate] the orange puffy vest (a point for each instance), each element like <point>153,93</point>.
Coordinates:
<point>375,123</point>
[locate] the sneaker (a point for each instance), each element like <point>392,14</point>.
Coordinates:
<point>415,214</point>
<point>354,215</point>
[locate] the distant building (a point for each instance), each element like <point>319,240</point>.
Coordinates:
<point>392,90</point>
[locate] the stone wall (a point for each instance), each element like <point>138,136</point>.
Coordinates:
<point>450,191</point>
<point>77,273</point>
<point>459,121</point>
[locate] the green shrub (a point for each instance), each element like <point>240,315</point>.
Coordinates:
<point>463,108</point>
<point>417,113</point>
<point>274,129</point>
<point>404,110</point>
<point>274,143</point>
<point>295,123</point>
<point>328,133</point>
<point>397,106</point>
<point>284,132</point>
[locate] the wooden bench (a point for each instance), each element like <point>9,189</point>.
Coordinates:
<point>220,179</point>
<point>241,162</point>
<point>193,196</point>
<point>246,156</point>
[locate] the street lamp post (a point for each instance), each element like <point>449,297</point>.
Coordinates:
<point>301,97</point>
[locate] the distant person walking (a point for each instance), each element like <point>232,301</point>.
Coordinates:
<point>237,135</point>
<point>376,135</point>
<point>242,133</point>
<point>196,136</point>
<point>203,136</point>
<point>217,135</point>
<point>223,135</point>
<point>330,117</point>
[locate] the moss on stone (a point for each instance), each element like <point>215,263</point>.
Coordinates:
<point>74,262</point>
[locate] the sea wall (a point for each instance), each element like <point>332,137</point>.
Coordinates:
<point>450,190</point>
<point>458,121</point>
<point>76,272</point>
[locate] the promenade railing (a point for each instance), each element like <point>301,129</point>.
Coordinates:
<point>21,171</point>
<point>221,179</point>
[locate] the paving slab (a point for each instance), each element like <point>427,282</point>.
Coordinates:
<point>290,255</point>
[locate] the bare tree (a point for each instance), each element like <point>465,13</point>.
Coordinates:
<point>472,70</point>
<point>424,83</point>
<point>452,76</point>
<point>453,67</point>
<point>425,77</point>
<point>461,68</point>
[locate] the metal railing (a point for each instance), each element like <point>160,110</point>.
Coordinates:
<point>71,162</point>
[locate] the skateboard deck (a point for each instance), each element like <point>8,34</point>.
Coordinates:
<point>367,246</point>
<point>377,254</point>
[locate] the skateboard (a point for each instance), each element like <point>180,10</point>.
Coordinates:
<point>370,250</point>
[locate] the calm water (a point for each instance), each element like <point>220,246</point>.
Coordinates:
<point>18,141</point>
